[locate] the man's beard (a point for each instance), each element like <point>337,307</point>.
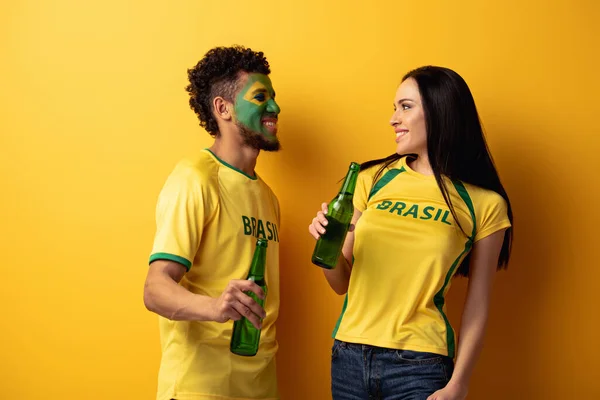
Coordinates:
<point>257,141</point>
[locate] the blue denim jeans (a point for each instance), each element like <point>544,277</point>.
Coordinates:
<point>362,372</point>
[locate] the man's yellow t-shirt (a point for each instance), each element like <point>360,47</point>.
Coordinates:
<point>208,217</point>
<point>407,247</point>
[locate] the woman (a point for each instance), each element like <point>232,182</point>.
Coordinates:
<point>432,210</point>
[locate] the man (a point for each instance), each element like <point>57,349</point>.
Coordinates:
<point>208,216</point>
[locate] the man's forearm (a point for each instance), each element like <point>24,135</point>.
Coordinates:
<point>165,297</point>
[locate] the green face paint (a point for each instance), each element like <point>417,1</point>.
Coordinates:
<point>255,106</point>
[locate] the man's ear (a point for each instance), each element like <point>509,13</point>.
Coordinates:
<point>223,108</point>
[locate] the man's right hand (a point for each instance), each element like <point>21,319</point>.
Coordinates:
<point>234,303</point>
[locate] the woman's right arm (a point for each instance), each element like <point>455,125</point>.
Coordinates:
<point>339,277</point>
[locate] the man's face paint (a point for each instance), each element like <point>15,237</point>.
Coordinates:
<point>256,112</point>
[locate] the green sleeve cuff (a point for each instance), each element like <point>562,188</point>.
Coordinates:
<point>171,257</point>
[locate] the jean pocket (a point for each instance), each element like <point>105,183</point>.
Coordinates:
<point>418,357</point>
<point>335,349</point>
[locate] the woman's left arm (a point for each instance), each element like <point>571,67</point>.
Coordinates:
<point>484,261</point>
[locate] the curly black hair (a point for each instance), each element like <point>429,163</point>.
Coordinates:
<point>217,75</point>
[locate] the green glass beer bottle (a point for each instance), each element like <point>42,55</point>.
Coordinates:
<point>245,337</point>
<point>339,215</point>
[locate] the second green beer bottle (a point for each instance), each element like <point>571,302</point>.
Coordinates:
<point>245,338</point>
<point>339,215</point>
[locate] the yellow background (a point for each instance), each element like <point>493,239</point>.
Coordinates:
<point>93,116</point>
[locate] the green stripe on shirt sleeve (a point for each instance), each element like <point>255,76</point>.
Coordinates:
<point>171,257</point>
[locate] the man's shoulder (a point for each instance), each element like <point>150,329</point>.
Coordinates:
<point>202,165</point>
<point>198,172</point>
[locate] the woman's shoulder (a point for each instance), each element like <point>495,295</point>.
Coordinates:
<point>482,194</point>
<point>487,204</point>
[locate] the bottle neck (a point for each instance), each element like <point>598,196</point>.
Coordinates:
<point>349,183</point>
<point>257,268</point>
